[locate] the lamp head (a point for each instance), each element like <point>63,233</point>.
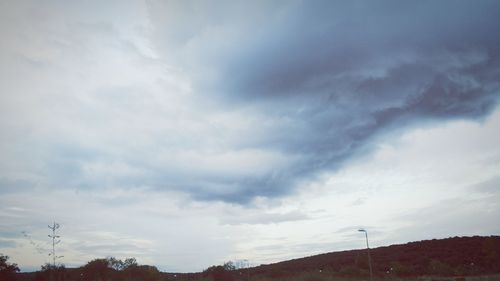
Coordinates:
<point>361,230</point>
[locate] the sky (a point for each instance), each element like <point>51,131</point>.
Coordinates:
<point>190,133</point>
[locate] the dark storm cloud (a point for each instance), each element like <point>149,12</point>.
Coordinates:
<point>336,76</point>
<point>315,45</point>
<point>322,82</point>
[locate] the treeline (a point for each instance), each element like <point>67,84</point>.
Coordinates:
<point>111,269</point>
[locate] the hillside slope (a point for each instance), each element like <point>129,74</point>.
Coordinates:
<point>452,256</point>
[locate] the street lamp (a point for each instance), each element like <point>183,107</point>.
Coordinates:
<point>368,250</point>
<point>248,268</point>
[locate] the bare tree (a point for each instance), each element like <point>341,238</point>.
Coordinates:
<point>55,241</point>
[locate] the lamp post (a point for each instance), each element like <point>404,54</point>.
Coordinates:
<point>368,250</point>
<point>247,263</point>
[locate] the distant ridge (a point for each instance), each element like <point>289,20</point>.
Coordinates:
<point>477,255</point>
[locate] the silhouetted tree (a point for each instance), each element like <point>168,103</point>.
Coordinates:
<point>7,270</point>
<point>218,273</point>
<point>97,270</point>
<point>50,272</point>
<point>229,266</point>
<point>141,272</point>
<point>120,265</point>
<point>117,270</point>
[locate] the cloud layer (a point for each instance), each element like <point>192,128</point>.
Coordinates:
<point>318,82</point>
<point>249,101</point>
<point>252,127</point>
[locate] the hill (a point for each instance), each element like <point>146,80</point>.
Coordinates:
<point>457,256</point>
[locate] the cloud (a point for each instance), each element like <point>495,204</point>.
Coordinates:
<point>359,201</point>
<point>7,185</point>
<point>4,243</point>
<point>102,244</point>
<point>255,100</point>
<point>325,80</point>
<point>253,217</point>
<point>490,186</point>
<point>462,216</point>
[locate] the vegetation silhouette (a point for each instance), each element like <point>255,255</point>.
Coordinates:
<point>451,259</point>
<point>7,270</point>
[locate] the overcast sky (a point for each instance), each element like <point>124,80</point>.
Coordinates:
<point>189,133</point>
